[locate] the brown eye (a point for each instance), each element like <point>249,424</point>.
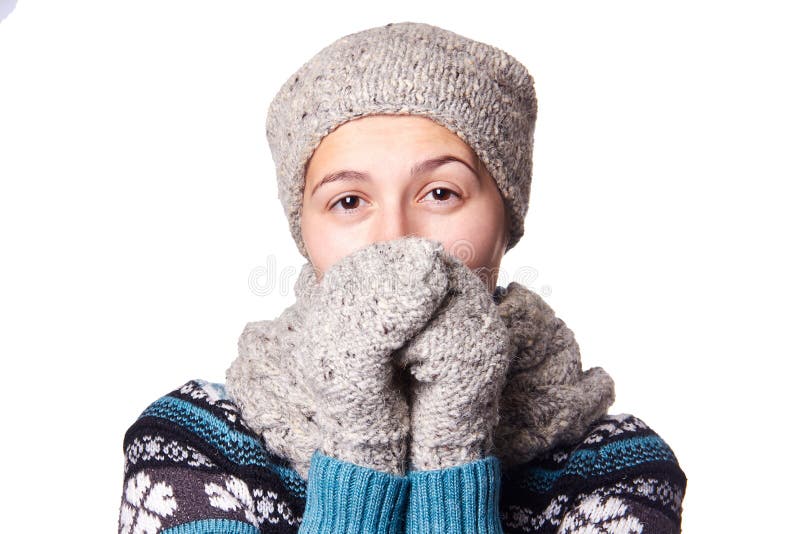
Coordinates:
<point>442,194</point>
<point>349,202</point>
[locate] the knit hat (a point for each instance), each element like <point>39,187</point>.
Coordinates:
<point>477,91</point>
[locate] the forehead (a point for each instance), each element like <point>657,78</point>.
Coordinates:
<point>392,132</point>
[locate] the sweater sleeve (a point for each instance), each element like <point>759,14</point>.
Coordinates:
<point>622,477</point>
<point>602,509</point>
<point>192,467</point>
<point>344,497</point>
<point>458,499</point>
<point>174,500</point>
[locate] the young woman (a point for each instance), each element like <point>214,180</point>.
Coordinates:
<point>404,391</point>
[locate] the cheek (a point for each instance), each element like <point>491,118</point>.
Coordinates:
<point>326,243</point>
<point>475,241</point>
<point>317,239</point>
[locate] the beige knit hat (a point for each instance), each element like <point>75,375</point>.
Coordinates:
<point>477,91</point>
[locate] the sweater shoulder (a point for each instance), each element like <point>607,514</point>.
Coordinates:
<point>619,459</point>
<point>198,426</point>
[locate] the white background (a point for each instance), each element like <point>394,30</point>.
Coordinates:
<point>138,196</point>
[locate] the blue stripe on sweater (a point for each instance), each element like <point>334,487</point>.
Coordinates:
<point>613,457</point>
<point>239,448</point>
<point>213,526</point>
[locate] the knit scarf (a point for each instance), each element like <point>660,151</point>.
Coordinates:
<point>547,401</point>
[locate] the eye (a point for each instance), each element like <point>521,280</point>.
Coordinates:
<point>348,203</point>
<point>441,195</point>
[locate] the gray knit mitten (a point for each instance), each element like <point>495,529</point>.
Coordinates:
<point>458,365</point>
<point>366,306</point>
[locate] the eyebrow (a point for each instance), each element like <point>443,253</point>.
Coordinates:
<point>420,168</point>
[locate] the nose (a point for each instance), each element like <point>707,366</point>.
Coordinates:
<point>392,224</point>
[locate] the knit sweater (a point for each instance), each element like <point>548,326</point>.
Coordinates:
<point>193,466</point>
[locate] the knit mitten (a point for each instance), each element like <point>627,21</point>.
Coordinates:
<point>458,365</point>
<point>366,306</point>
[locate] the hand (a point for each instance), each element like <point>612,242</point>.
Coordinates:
<point>366,306</point>
<point>458,364</point>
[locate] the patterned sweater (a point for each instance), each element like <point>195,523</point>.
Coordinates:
<point>192,466</point>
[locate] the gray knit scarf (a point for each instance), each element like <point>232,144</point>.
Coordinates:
<point>548,400</point>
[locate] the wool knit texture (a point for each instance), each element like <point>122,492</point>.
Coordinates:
<point>339,354</point>
<point>458,365</point>
<point>192,466</point>
<point>457,499</point>
<point>542,398</point>
<point>341,497</point>
<point>479,92</point>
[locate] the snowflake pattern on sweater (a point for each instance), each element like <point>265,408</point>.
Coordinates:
<point>193,466</point>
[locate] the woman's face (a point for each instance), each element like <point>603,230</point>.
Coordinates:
<point>382,177</point>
